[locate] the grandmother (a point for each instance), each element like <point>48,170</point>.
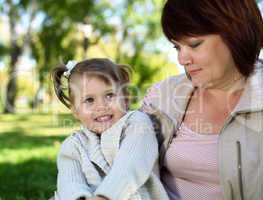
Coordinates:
<point>212,117</point>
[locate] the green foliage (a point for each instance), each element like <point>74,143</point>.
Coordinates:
<point>58,39</point>
<point>26,86</point>
<point>3,50</point>
<point>137,31</point>
<point>28,149</point>
<point>128,30</point>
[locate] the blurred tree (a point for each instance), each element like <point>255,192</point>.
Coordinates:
<point>137,26</point>
<point>56,39</point>
<point>14,48</point>
<point>132,27</point>
<point>60,38</point>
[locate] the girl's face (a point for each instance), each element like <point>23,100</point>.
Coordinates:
<point>97,105</point>
<point>207,60</point>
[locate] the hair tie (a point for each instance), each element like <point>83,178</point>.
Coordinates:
<point>70,65</point>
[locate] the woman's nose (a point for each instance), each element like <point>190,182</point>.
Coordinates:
<point>184,57</point>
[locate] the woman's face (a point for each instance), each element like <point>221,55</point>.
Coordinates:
<point>207,60</point>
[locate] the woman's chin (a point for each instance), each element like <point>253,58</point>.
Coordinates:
<point>201,84</point>
<point>197,82</point>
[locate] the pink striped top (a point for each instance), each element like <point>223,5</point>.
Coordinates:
<point>191,167</point>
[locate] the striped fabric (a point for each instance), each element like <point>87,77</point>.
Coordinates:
<point>191,167</point>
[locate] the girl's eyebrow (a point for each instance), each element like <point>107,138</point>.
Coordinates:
<point>93,95</point>
<point>88,96</point>
<point>109,90</point>
<point>106,92</point>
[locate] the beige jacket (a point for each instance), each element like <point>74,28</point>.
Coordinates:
<point>119,164</point>
<point>241,138</point>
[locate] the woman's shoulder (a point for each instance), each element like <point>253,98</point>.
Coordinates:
<point>162,92</point>
<point>259,65</point>
<point>176,79</point>
<point>168,85</point>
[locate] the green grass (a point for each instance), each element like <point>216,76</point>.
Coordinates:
<point>28,147</point>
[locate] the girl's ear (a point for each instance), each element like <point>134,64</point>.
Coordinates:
<point>127,103</point>
<point>75,112</point>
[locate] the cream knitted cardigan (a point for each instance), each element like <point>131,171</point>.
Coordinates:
<point>89,165</point>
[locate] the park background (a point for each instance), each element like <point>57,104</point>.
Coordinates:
<point>36,36</point>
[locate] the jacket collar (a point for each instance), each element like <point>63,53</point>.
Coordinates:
<point>250,101</point>
<point>94,152</point>
<point>111,138</point>
<point>252,97</point>
<point>180,88</point>
<point>103,150</point>
<point>173,97</point>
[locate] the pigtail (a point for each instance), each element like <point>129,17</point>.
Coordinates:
<point>57,75</point>
<point>125,73</point>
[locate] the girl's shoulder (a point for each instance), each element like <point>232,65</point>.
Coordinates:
<point>139,118</point>
<point>75,140</point>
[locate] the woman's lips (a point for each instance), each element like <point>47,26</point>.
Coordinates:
<point>194,72</point>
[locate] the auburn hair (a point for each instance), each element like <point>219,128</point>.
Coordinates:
<point>238,22</point>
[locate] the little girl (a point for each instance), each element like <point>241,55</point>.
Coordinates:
<point>115,152</point>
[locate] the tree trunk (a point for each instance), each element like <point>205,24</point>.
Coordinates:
<point>39,96</point>
<point>11,88</point>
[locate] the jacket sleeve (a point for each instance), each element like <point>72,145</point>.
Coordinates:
<point>152,95</point>
<point>134,162</point>
<point>71,182</point>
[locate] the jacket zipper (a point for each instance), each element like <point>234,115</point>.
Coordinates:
<point>240,181</point>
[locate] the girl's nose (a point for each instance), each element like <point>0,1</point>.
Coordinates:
<point>101,104</point>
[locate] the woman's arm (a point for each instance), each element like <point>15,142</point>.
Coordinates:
<point>134,162</point>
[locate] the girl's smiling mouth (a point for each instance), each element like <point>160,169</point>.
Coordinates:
<point>104,118</point>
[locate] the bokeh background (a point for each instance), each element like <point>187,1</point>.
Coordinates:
<point>35,36</point>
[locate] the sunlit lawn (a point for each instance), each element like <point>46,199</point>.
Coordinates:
<point>28,147</point>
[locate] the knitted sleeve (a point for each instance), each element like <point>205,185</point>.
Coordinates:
<point>134,162</point>
<point>71,183</point>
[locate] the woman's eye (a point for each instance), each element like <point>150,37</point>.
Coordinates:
<point>195,44</point>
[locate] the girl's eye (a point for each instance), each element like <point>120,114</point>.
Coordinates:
<point>195,44</point>
<point>110,96</point>
<point>89,100</point>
